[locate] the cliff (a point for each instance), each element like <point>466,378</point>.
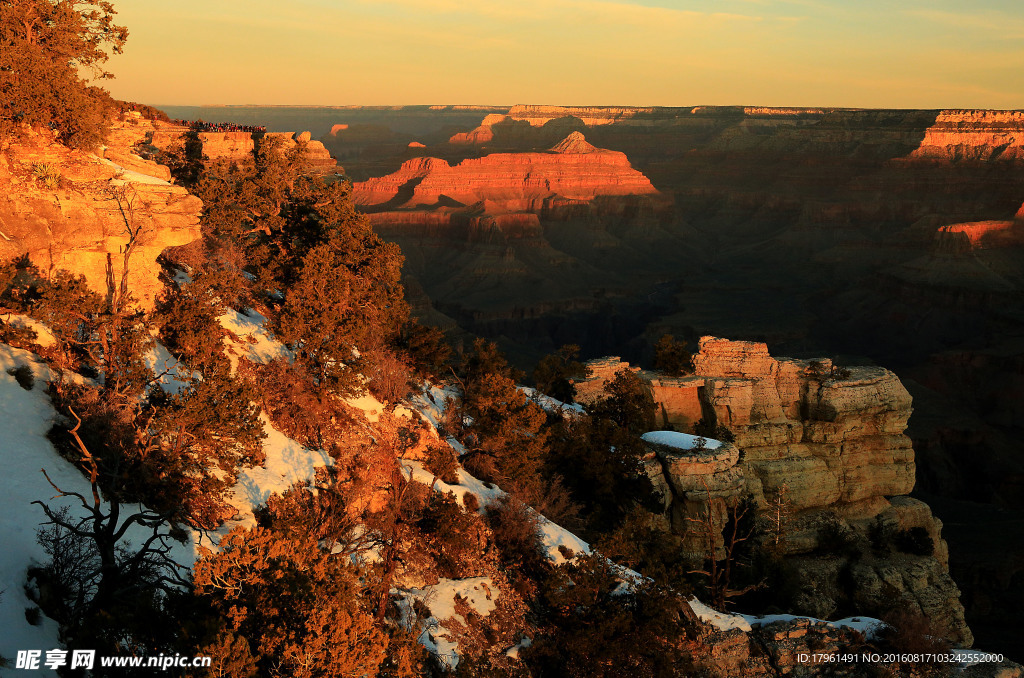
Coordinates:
<point>973,136</point>
<point>572,170</point>
<point>73,210</point>
<point>830,447</point>
<point>238,145</point>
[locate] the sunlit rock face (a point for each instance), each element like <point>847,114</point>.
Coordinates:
<point>73,210</point>
<point>239,146</point>
<point>572,170</point>
<point>830,445</point>
<point>973,135</point>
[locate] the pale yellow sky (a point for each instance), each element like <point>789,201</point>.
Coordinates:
<point>857,53</point>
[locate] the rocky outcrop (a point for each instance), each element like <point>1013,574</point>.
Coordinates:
<point>572,170</point>
<point>73,210</point>
<point>234,146</point>
<point>825,444</point>
<point>590,115</point>
<point>973,136</point>
<point>956,238</point>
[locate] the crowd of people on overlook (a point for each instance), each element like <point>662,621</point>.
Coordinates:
<point>202,126</point>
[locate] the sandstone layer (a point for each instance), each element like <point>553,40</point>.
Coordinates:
<point>825,444</point>
<point>236,146</point>
<point>78,212</point>
<point>571,170</point>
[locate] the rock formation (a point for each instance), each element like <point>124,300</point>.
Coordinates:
<point>974,136</point>
<point>73,210</point>
<point>980,234</point>
<point>237,146</point>
<point>830,445</point>
<point>571,170</point>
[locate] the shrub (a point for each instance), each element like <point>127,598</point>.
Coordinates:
<point>282,606</point>
<point>554,374</point>
<point>909,632</point>
<point>295,405</point>
<point>915,540</point>
<point>515,530</point>
<point>46,174</point>
<point>442,463</point>
<point>454,536</point>
<point>652,552</point>
<point>602,466</point>
<point>508,437</point>
<point>836,537</point>
<point>671,356</point>
<point>426,348</point>
<point>629,403</point>
<point>188,316</point>
<point>594,627</point>
<point>388,375</point>
<point>703,428</point>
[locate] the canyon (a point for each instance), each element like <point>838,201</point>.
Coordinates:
<point>877,237</point>
<point>889,240</point>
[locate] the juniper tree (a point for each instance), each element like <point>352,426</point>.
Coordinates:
<point>281,606</point>
<point>49,50</point>
<point>671,356</point>
<point>554,374</point>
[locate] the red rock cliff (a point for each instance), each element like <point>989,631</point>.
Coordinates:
<point>574,170</point>
<point>70,210</point>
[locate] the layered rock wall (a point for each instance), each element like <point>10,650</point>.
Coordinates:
<point>974,136</point>
<point>825,444</point>
<point>74,211</point>
<point>231,146</point>
<point>573,170</point>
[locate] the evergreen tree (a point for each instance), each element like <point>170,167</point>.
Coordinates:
<point>555,373</point>
<point>46,47</point>
<point>507,427</point>
<point>671,356</point>
<point>597,626</point>
<point>601,463</point>
<point>628,402</point>
<point>280,606</point>
<point>185,158</point>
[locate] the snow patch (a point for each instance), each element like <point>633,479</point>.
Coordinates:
<point>681,441</point>
<point>723,621</point>
<point>869,626</point>
<point>370,406</point>
<point>432,401</point>
<point>479,593</point>
<point>552,405</point>
<point>24,451</point>
<point>254,342</point>
<point>172,375</point>
<point>287,462</point>
<point>44,337</point>
<point>514,650</point>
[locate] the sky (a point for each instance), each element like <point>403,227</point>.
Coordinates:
<point>836,53</point>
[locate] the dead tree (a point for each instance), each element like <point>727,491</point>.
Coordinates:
<point>125,196</point>
<point>719,571</point>
<point>94,572</point>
